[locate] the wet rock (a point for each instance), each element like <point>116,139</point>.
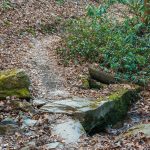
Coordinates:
<point>69,130</point>
<point>96,114</point>
<point>14,83</point>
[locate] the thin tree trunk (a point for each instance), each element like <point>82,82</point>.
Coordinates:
<point>147,11</point>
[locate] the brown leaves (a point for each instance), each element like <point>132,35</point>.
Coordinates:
<point>18,27</point>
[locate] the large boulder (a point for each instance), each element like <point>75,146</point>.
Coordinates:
<point>96,114</point>
<point>14,83</point>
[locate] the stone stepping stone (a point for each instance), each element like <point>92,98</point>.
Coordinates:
<point>69,130</point>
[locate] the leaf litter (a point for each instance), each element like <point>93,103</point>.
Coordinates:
<point>21,25</point>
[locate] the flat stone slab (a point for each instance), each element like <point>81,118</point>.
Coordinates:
<point>69,130</point>
<point>68,106</point>
<point>96,114</point>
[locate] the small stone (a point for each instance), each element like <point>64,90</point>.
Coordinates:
<point>39,102</point>
<point>29,122</point>
<point>7,129</point>
<point>32,144</point>
<point>53,145</point>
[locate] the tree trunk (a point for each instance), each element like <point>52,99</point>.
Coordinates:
<point>147,11</point>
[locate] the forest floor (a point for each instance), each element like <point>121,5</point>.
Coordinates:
<point>30,33</point>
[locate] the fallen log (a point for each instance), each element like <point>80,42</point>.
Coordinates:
<point>108,78</point>
<point>102,76</point>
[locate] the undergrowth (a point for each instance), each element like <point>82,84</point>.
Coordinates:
<point>5,5</point>
<point>123,47</point>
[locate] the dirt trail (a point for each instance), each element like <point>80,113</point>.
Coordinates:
<point>46,76</point>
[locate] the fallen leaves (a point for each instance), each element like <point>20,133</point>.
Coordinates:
<point>19,27</point>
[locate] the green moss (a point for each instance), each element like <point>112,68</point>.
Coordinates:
<point>118,94</point>
<point>113,109</point>
<point>122,101</point>
<point>96,103</point>
<point>6,73</point>
<point>19,93</point>
<point>13,79</point>
<point>85,82</point>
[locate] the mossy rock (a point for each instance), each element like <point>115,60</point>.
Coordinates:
<point>18,93</point>
<point>13,79</point>
<point>14,83</point>
<point>109,110</point>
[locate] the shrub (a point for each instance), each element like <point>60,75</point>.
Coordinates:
<point>5,5</point>
<point>123,47</point>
